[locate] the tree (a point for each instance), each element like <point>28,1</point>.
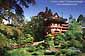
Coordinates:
<point>7,7</point>
<point>15,4</point>
<point>71,17</point>
<point>80,18</point>
<point>37,24</point>
<point>13,19</point>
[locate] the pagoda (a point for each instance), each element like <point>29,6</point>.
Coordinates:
<point>49,17</point>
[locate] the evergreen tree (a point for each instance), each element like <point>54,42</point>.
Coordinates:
<point>80,18</point>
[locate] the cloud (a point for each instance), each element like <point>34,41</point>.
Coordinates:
<point>69,2</point>
<point>66,4</point>
<point>54,1</point>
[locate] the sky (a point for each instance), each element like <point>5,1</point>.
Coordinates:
<point>64,8</point>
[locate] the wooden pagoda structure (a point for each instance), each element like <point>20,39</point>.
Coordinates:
<point>49,17</point>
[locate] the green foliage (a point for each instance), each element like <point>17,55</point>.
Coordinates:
<point>71,41</point>
<point>19,52</point>
<point>68,44</point>
<point>4,42</point>
<point>35,28</point>
<point>68,52</point>
<point>28,51</point>
<point>49,41</point>
<point>4,52</point>
<point>26,39</point>
<point>27,28</point>
<point>10,35</point>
